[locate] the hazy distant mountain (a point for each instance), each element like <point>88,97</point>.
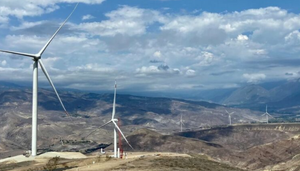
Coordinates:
<point>215,95</point>
<point>247,95</point>
<point>8,85</point>
<point>282,98</point>
<point>285,90</point>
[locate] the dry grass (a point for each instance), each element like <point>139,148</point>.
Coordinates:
<point>13,166</point>
<point>195,163</point>
<point>150,162</point>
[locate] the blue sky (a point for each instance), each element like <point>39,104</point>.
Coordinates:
<point>153,45</point>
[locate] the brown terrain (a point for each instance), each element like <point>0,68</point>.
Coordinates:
<point>152,127</point>
<point>146,161</point>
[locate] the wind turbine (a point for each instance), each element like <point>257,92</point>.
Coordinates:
<point>37,60</point>
<point>229,116</point>
<point>181,123</point>
<point>267,114</point>
<point>113,120</point>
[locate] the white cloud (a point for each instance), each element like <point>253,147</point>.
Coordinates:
<point>157,54</point>
<point>293,36</point>
<point>87,17</point>
<point>145,70</point>
<point>206,58</point>
<point>129,38</point>
<point>26,25</point>
<point>31,8</point>
<point>49,62</point>
<point>93,67</point>
<point>162,70</point>
<point>190,72</point>
<point>3,63</point>
<point>242,37</point>
<point>126,20</point>
<point>254,78</point>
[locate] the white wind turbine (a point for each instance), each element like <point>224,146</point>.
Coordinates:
<point>113,120</point>
<point>229,116</point>
<point>37,59</point>
<point>181,123</point>
<point>267,114</point>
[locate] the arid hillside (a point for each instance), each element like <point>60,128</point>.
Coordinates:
<point>151,125</point>
<point>56,131</point>
<point>250,147</point>
<point>254,147</point>
<point>243,137</point>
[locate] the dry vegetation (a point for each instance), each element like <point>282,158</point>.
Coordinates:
<point>13,166</point>
<point>53,164</point>
<point>136,162</point>
<point>194,163</point>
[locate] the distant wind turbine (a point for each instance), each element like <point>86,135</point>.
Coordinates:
<point>229,116</point>
<point>116,127</point>
<point>267,114</point>
<point>37,59</point>
<point>181,123</point>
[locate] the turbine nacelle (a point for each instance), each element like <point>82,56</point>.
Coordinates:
<point>37,57</point>
<point>229,113</point>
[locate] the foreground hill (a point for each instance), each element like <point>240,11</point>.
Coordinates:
<point>245,146</point>
<point>145,161</point>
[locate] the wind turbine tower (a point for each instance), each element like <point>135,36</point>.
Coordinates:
<point>267,114</point>
<point>37,60</point>
<point>120,155</point>
<point>181,123</point>
<point>229,116</point>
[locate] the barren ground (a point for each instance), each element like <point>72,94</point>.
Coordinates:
<point>138,161</point>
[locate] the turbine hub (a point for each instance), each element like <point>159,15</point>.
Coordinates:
<point>36,57</point>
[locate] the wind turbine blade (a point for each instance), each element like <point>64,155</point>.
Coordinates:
<point>227,111</point>
<point>51,83</point>
<point>19,53</point>
<point>114,103</point>
<point>269,115</point>
<point>122,134</point>
<point>97,128</point>
<point>47,44</point>
<point>105,124</point>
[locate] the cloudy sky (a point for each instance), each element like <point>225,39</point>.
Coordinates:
<point>152,45</point>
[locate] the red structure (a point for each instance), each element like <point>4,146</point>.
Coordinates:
<point>120,139</point>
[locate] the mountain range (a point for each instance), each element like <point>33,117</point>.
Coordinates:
<point>90,110</point>
<point>153,124</point>
<point>281,97</point>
